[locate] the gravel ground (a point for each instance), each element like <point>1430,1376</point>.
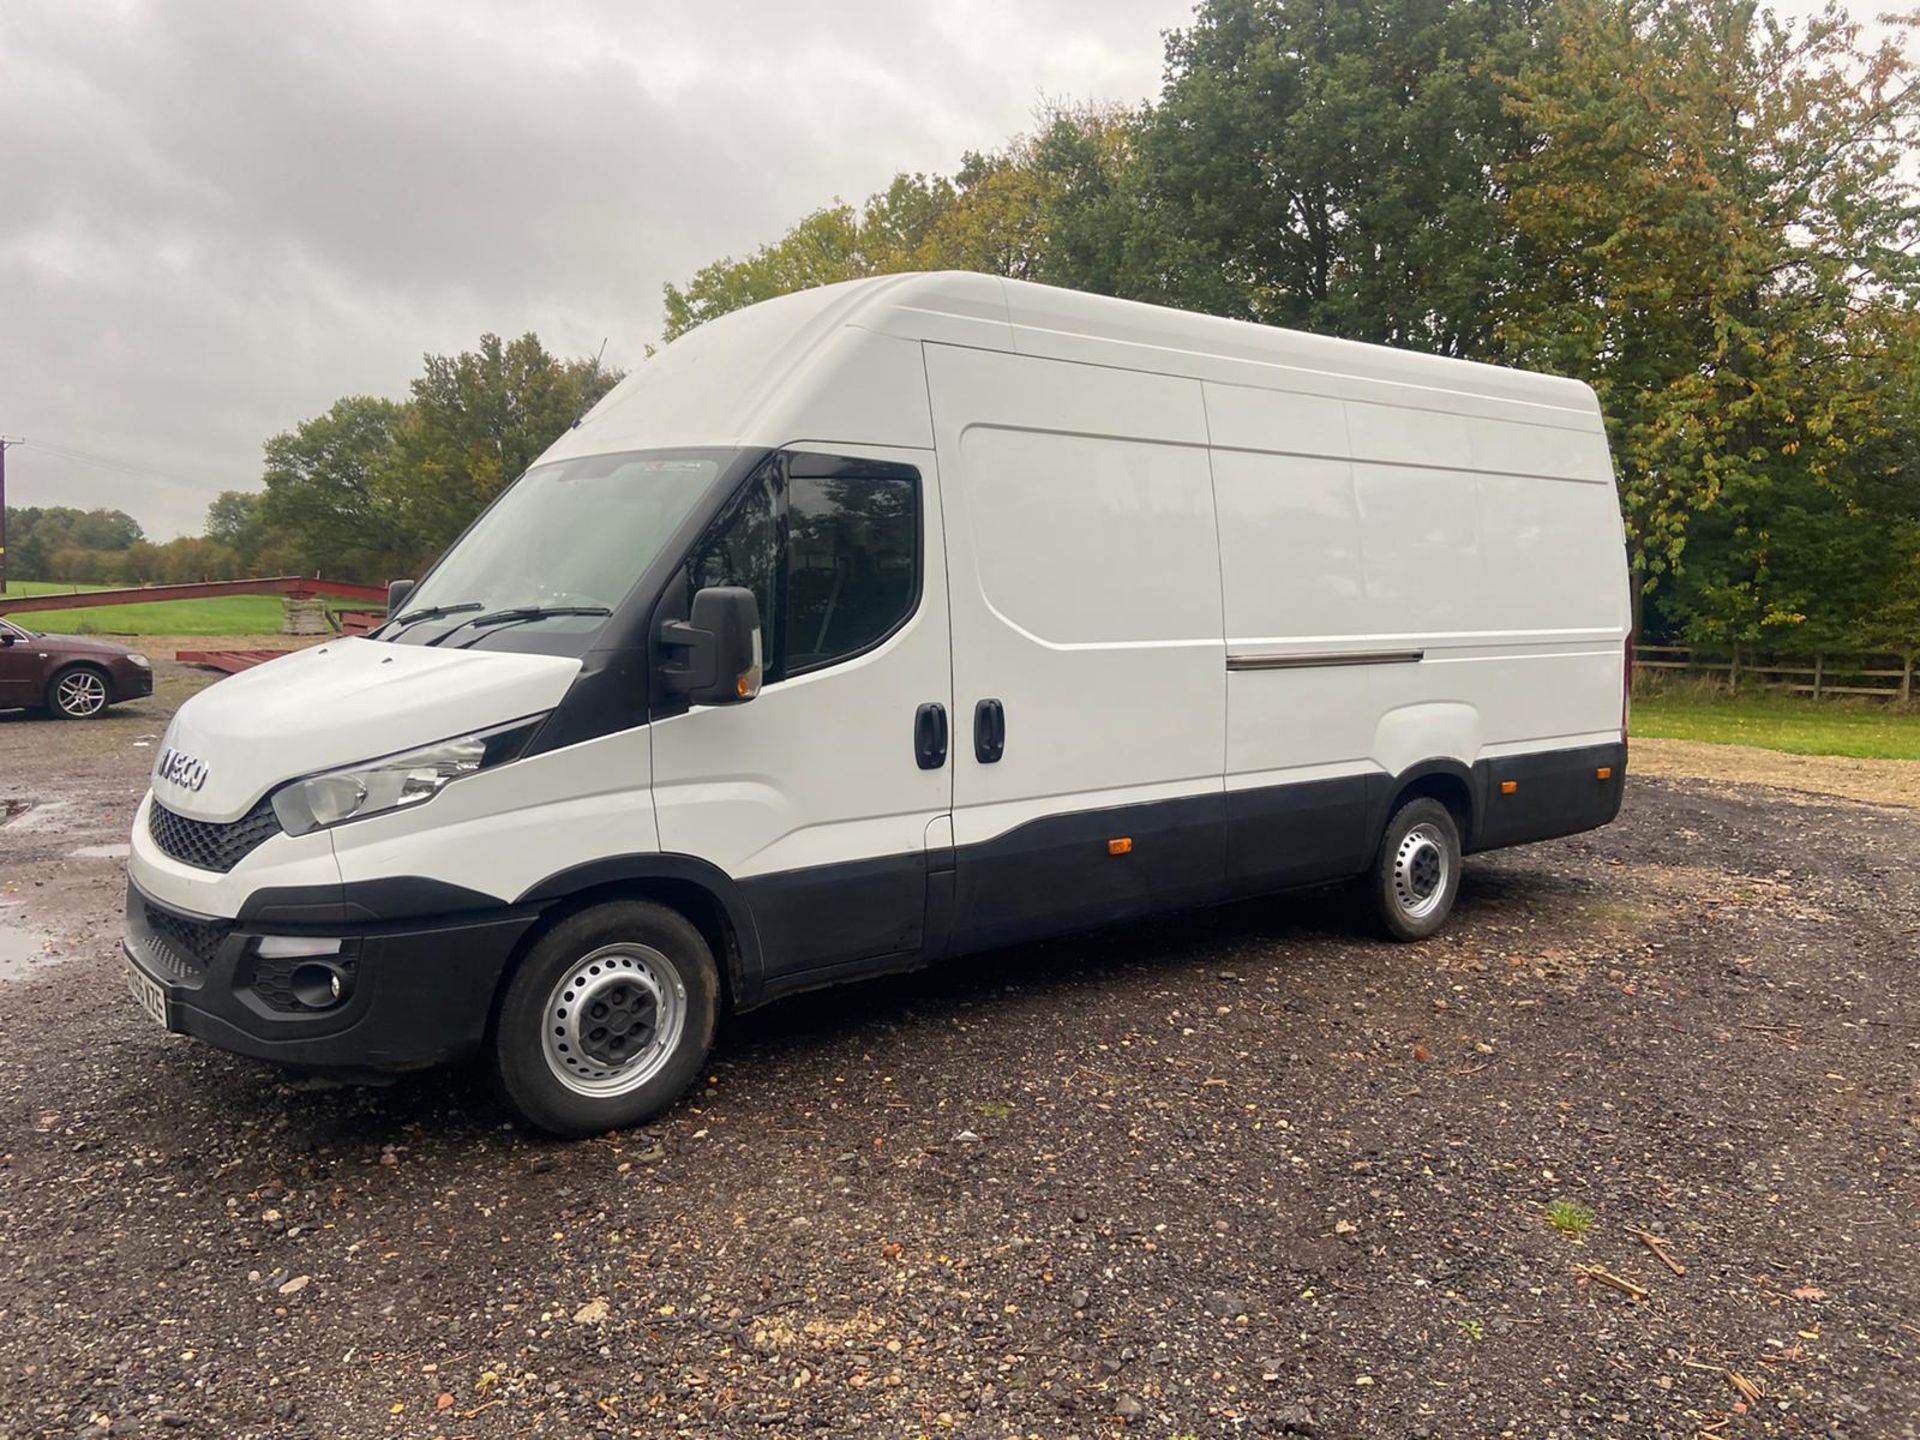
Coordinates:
<point>1241,1173</point>
<point>1880,782</point>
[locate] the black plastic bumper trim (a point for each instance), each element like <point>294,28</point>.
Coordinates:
<point>422,994</point>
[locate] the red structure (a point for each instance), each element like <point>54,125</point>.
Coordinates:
<point>232,662</point>
<point>299,587</point>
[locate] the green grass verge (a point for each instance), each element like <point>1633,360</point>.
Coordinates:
<point>1868,730</point>
<point>44,587</point>
<point>229,615</point>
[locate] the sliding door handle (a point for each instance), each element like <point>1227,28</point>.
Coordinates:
<point>989,731</point>
<point>930,736</point>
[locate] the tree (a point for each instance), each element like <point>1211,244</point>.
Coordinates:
<point>476,421</point>
<point>822,249</point>
<point>99,529</point>
<point>30,558</point>
<point>236,520</point>
<point>324,496</point>
<point>1327,165</point>
<point>1715,235</point>
<point>995,215</point>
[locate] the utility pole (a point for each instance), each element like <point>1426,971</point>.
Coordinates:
<point>4,443</point>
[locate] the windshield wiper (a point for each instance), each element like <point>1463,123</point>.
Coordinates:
<point>516,613</point>
<point>434,612</point>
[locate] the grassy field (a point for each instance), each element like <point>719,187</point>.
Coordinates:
<point>233,615</point>
<point>1798,727</point>
<point>43,587</point>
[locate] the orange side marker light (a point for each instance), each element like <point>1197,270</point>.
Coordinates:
<point>1507,787</point>
<point>1122,846</point>
<point>1605,772</point>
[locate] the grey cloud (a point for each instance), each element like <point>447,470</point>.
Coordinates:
<point>220,217</point>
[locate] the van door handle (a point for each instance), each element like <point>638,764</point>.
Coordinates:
<point>930,736</point>
<point>989,731</point>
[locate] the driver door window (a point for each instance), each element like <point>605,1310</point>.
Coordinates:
<point>832,560</point>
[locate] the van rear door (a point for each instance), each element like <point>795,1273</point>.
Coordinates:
<point>1089,663</point>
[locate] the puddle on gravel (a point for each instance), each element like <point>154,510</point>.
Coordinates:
<point>19,948</point>
<point>101,852</point>
<point>37,815</point>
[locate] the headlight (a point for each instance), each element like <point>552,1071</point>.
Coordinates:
<point>140,660</point>
<point>395,782</point>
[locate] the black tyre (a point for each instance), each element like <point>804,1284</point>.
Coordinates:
<point>609,1017</point>
<point>1416,875</point>
<point>79,692</point>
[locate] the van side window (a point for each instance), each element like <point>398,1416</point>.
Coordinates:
<point>853,547</point>
<point>834,562</point>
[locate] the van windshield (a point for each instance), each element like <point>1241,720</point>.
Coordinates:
<point>563,545</point>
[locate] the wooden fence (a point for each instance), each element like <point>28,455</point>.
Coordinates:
<point>1819,676</point>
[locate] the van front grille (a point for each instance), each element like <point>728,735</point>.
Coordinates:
<point>183,947</point>
<point>207,845</point>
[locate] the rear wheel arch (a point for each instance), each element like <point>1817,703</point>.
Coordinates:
<point>1444,779</point>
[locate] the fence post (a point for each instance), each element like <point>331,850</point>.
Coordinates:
<point>1733,670</point>
<point>1906,678</point>
<point>1817,663</point>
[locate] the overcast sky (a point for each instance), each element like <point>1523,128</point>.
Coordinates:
<point>217,218</point>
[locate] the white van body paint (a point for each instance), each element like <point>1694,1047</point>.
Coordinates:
<point>1232,588</point>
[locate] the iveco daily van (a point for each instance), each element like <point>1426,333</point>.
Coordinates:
<point>880,624</point>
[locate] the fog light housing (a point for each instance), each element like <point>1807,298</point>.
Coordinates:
<point>319,985</point>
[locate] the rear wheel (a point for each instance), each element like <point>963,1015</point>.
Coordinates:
<point>1416,875</point>
<point>609,1017</point>
<point>78,693</point>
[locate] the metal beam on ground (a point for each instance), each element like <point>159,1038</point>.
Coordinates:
<point>295,585</point>
<point>230,661</point>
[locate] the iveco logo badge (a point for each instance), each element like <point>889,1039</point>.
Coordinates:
<point>179,768</point>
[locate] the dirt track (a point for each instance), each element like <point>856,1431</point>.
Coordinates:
<point>1233,1174</point>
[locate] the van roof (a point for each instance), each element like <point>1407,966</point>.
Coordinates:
<point>827,364</point>
<point>993,312</point>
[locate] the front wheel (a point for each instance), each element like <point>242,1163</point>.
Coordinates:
<point>1417,872</point>
<point>78,693</point>
<point>609,1017</point>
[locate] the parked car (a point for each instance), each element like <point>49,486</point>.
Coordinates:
<point>881,624</point>
<point>72,676</point>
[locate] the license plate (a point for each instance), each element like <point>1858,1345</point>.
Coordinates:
<point>148,995</point>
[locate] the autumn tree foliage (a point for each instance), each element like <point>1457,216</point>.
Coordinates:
<point>1705,211</point>
<point>1715,232</point>
<point>376,488</point>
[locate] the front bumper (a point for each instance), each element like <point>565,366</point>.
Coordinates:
<point>419,992</point>
<point>132,682</point>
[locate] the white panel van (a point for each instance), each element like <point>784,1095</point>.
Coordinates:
<point>878,625</point>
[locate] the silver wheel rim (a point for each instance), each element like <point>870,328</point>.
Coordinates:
<point>613,1021</point>
<point>1420,871</point>
<point>81,693</point>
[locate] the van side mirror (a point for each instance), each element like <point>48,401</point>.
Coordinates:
<point>720,645</point>
<point>397,592</point>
